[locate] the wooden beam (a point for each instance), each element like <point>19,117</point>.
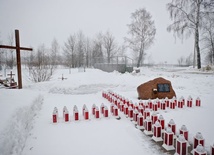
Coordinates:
<point>18,58</point>
<point>13,47</point>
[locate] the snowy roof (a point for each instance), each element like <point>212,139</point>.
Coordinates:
<point>157,123</point>
<point>171,121</point>
<point>64,108</point>
<point>183,128</point>
<point>160,117</point>
<point>148,118</point>
<point>190,97</point>
<point>199,135</point>
<point>169,130</point>
<point>115,107</point>
<point>136,111</point>
<point>130,108</point>
<point>55,108</point>
<point>54,112</point>
<point>140,115</point>
<point>181,138</point>
<point>200,149</point>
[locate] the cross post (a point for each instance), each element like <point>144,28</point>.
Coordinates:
<point>18,57</point>
<point>63,78</point>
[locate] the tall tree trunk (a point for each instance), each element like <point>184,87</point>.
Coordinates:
<point>140,54</point>
<point>108,56</point>
<point>212,54</point>
<point>194,55</point>
<point>197,35</point>
<point>140,58</point>
<point>198,50</point>
<point>212,49</point>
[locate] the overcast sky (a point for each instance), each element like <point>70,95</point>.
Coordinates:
<point>39,21</point>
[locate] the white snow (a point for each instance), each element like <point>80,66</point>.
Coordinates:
<point>26,115</point>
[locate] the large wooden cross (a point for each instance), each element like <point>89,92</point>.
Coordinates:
<point>18,57</point>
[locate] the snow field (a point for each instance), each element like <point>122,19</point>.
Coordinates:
<point>105,135</point>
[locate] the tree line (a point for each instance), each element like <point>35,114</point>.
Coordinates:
<point>189,17</point>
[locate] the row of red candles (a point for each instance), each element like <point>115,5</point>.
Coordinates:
<point>141,112</point>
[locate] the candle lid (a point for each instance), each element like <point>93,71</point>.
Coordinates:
<point>200,148</point>
<point>184,128</point>
<point>199,135</point>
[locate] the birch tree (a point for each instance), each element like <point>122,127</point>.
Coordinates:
<point>142,30</point>
<point>97,49</point>
<point>187,18</point>
<point>69,51</point>
<point>54,55</point>
<point>88,52</point>
<point>80,49</point>
<point>109,45</point>
<point>208,38</point>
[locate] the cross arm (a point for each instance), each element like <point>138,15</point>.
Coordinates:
<point>13,47</point>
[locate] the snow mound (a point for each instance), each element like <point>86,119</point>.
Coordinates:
<point>12,141</point>
<point>82,89</point>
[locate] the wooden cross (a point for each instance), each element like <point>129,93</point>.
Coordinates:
<point>63,78</point>
<point>18,57</point>
<point>11,74</point>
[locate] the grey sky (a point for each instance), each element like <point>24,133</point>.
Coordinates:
<point>40,21</point>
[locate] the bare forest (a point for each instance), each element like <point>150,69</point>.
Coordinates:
<point>189,18</point>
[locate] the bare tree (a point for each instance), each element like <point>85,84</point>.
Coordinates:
<point>209,58</point>
<point>69,51</point>
<point>10,60</point>
<point>110,45</point>
<point>55,49</point>
<point>142,30</point>
<point>208,38</point>
<point>181,61</point>
<point>88,52</point>
<point>187,19</point>
<point>54,55</point>
<point>97,49</point>
<point>189,60</point>
<point>39,65</point>
<point>122,50</point>
<point>80,48</point>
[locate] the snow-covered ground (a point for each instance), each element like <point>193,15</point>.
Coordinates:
<point>26,115</point>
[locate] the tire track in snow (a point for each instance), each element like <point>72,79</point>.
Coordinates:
<point>12,141</point>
